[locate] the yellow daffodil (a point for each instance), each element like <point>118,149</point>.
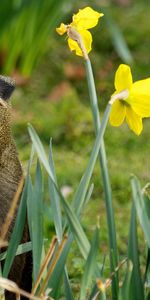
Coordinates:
<point>133,100</point>
<point>85,19</point>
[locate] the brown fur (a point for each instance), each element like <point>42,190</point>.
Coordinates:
<point>10,176</point>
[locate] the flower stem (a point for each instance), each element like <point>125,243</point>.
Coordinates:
<point>105,177</point>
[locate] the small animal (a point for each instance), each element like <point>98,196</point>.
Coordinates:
<point>10,176</point>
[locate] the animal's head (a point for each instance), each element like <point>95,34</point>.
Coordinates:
<point>7,86</point>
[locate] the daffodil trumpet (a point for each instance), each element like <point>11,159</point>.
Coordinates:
<point>121,96</point>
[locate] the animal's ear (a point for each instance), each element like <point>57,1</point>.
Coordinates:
<point>7,86</point>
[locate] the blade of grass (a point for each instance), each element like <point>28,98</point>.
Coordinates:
<point>27,40</point>
<point>88,196</point>
<point>72,219</point>
<point>84,183</point>
<point>17,231</point>
<point>142,204</point>
<point>85,180</point>
<point>85,202</point>
<point>54,198</point>
<point>60,266</point>
<point>22,248</point>
<point>37,220</point>
<point>82,190</point>
<point>147,268</point>
<point>55,204</point>
<point>136,287</point>
<point>57,273</point>
<point>124,291</point>
<point>147,297</point>
<point>76,229</point>
<point>68,290</point>
<point>40,150</point>
<point>12,209</point>
<point>29,205</point>
<point>90,265</point>
<point>118,39</point>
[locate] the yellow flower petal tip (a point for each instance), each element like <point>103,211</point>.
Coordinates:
<point>133,107</point>
<point>85,19</point>
<point>61,29</point>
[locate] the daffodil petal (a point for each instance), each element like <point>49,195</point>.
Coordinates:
<point>140,97</point>
<point>123,78</point>
<point>61,29</point>
<point>73,45</point>
<point>86,18</point>
<point>134,121</point>
<point>87,40</point>
<point>142,86</point>
<point>117,114</point>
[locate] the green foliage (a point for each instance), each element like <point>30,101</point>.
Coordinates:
<point>128,290</point>
<point>142,203</point>
<point>33,196</point>
<point>25,29</point>
<point>90,265</point>
<point>54,198</point>
<point>35,219</point>
<point>17,232</point>
<point>124,292</point>
<point>117,38</point>
<point>136,290</point>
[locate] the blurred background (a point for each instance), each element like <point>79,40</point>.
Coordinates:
<point>52,95</point>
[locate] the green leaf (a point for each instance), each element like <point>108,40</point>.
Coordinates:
<point>90,265</point>
<point>35,218</point>
<point>37,221</point>
<point>56,276</point>
<point>85,180</point>
<point>29,205</point>
<point>55,198</point>
<point>40,150</point>
<point>68,290</point>
<point>102,295</point>
<point>28,40</point>
<point>76,229</point>
<point>142,204</point>
<point>88,196</point>
<point>84,183</point>
<point>22,248</point>
<point>136,288</point>
<point>79,201</point>
<point>125,290</point>
<point>118,39</point>
<point>147,268</point>
<point>17,231</point>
